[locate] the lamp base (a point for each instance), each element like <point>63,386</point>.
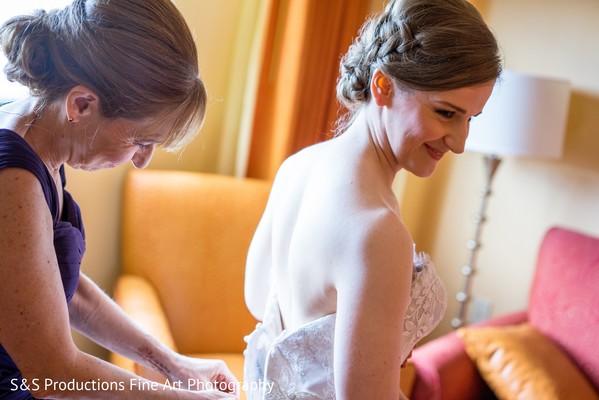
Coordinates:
<point>464,296</point>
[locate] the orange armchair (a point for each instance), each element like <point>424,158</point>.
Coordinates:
<point>185,238</point>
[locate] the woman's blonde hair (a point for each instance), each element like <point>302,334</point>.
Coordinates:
<point>138,56</point>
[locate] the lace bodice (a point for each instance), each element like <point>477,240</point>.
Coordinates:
<point>282,365</point>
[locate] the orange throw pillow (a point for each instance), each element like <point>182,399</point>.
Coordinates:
<point>519,363</point>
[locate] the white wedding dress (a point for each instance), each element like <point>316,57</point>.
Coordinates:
<point>281,365</point>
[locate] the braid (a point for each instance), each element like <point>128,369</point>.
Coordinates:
<point>399,43</point>
<point>382,40</point>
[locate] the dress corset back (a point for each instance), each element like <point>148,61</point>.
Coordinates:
<point>283,365</point>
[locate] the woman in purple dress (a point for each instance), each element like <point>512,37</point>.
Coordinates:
<point>109,81</point>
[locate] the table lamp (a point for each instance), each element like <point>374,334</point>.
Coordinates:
<point>524,117</point>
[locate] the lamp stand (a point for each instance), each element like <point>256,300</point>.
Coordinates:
<point>464,296</point>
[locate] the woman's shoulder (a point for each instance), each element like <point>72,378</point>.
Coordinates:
<point>381,223</point>
<point>302,159</point>
<point>19,163</point>
<point>297,170</point>
<point>14,150</point>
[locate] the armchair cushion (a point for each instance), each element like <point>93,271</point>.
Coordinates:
<point>518,362</point>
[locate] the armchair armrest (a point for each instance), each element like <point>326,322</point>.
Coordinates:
<point>139,300</point>
<point>445,372</point>
<point>406,378</point>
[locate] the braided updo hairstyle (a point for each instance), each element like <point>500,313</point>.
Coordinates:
<point>426,45</point>
<point>137,56</point>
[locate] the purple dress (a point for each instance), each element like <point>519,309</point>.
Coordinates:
<point>69,240</point>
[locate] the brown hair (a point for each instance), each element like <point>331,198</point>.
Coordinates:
<point>138,56</point>
<point>424,45</point>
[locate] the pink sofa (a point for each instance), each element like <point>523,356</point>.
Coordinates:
<point>563,305</point>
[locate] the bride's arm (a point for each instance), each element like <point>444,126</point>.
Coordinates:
<point>373,281</point>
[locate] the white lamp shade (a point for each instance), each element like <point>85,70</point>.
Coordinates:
<point>525,116</point>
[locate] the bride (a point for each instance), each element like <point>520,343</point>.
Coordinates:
<point>331,272</point>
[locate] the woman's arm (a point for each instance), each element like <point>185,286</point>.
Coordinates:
<point>34,320</point>
<point>99,318</point>
<point>373,282</point>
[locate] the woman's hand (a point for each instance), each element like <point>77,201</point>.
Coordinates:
<point>203,374</point>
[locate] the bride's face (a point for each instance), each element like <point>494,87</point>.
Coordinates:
<point>422,126</point>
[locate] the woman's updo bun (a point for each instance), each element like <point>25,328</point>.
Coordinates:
<point>25,43</point>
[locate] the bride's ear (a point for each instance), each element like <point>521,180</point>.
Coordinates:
<point>381,88</point>
<point>80,103</point>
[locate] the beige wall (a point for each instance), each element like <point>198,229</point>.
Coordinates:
<point>553,38</point>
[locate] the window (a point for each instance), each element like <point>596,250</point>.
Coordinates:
<point>12,90</point>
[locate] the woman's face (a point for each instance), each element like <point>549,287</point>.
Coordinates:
<point>422,126</point>
<point>116,142</point>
